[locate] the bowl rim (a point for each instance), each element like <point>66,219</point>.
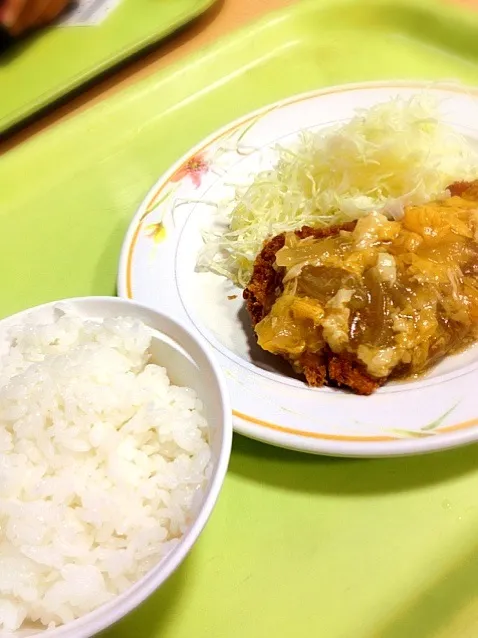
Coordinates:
<point>108,614</point>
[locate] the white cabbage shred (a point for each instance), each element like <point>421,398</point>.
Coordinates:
<point>394,154</point>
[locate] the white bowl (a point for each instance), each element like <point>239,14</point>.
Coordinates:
<point>188,363</point>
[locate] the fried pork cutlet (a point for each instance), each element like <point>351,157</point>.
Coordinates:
<point>355,305</point>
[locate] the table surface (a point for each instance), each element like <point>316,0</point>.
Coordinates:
<point>223,17</point>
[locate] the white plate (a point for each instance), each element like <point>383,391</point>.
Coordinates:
<point>157,268</point>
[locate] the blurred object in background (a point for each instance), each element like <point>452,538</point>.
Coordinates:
<point>87,12</point>
<point>5,39</point>
<point>19,16</point>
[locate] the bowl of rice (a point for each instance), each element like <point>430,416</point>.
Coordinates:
<point>115,436</point>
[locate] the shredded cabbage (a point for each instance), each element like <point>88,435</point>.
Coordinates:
<point>391,155</point>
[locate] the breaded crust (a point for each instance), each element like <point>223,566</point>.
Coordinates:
<point>324,368</point>
<point>466,190</point>
<point>266,281</point>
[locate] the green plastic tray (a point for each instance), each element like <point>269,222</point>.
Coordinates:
<point>298,545</point>
<point>46,66</point>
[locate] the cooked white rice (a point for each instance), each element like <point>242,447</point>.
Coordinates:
<point>102,461</point>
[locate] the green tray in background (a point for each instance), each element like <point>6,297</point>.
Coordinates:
<point>46,66</point>
<point>298,545</point>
